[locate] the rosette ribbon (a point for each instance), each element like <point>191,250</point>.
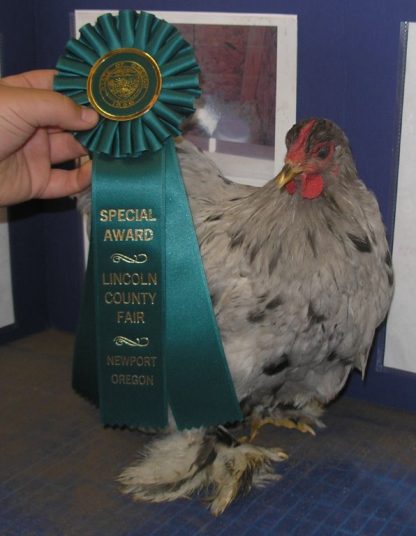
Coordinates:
<point>147,339</point>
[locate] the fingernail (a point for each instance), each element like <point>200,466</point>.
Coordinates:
<point>89,115</point>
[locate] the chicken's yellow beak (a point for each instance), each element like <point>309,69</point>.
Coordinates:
<point>288,172</point>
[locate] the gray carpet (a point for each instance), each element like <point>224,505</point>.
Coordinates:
<point>58,466</point>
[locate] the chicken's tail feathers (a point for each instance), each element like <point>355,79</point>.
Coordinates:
<point>193,461</point>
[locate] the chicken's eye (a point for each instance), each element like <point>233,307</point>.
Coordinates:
<point>322,152</point>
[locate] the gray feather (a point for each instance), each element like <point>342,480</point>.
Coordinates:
<point>327,261</point>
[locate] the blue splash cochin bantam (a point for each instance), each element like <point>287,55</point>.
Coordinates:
<point>300,276</point>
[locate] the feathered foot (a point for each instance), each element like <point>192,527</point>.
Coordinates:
<point>189,462</point>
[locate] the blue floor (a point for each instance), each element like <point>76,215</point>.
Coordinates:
<point>58,466</point>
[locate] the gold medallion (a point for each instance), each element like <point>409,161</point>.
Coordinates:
<point>124,84</point>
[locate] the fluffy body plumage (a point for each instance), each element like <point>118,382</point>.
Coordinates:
<point>300,277</point>
<point>298,285</point>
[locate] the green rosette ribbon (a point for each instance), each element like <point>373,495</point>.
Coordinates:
<point>147,339</point>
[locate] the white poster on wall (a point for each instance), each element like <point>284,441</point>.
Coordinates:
<point>245,60</point>
<point>400,352</point>
<point>6,294</point>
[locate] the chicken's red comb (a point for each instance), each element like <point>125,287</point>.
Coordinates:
<point>296,152</point>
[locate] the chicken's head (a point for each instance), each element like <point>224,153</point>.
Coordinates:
<point>314,150</point>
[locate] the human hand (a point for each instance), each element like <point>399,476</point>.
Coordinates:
<point>34,121</point>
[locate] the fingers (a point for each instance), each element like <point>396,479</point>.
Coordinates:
<point>64,147</point>
<point>23,111</point>
<point>33,121</point>
<point>44,108</point>
<point>63,183</point>
<point>40,79</point>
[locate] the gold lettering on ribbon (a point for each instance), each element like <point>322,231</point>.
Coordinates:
<point>126,214</point>
<point>130,317</point>
<point>131,361</point>
<point>125,292</point>
<point>127,278</point>
<point>132,379</point>
<point>130,298</point>
<point>128,235</point>
<point>142,342</point>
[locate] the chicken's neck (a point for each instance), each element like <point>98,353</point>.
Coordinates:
<point>273,223</point>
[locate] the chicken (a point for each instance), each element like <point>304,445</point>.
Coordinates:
<point>300,276</point>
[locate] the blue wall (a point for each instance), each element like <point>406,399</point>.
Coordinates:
<point>349,59</point>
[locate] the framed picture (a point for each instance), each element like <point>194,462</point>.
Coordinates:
<point>400,333</point>
<point>248,78</point>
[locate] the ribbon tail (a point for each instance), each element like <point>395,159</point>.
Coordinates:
<point>127,218</point>
<point>200,388</point>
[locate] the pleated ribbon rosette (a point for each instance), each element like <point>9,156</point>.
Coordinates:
<point>147,340</point>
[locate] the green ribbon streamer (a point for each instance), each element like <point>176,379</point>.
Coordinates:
<point>199,383</point>
<point>147,338</point>
<point>129,342</point>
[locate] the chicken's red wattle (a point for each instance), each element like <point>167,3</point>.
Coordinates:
<point>311,186</point>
